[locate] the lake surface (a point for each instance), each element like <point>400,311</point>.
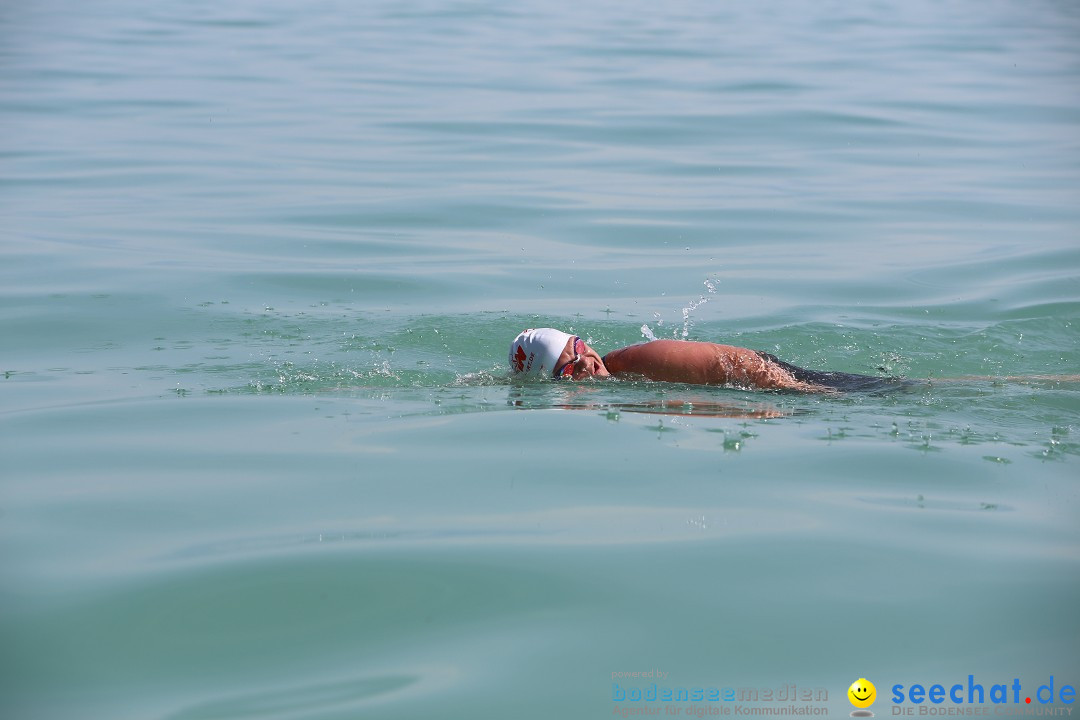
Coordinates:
<point>260,264</point>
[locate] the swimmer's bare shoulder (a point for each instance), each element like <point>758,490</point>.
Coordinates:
<point>665,361</point>
<point>701,363</point>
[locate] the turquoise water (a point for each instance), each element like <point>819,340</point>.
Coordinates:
<point>260,264</point>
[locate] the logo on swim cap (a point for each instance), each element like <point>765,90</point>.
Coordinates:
<point>519,359</point>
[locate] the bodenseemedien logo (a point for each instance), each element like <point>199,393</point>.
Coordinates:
<point>862,694</point>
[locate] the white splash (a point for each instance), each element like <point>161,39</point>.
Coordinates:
<point>710,286</point>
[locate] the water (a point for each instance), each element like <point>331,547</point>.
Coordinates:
<point>261,263</point>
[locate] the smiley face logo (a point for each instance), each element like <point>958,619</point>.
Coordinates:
<point>862,693</point>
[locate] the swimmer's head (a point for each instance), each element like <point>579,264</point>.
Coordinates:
<point>547,352</point>
<point>536,352</point>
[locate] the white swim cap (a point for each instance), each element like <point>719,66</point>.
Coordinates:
<point>535,352</point>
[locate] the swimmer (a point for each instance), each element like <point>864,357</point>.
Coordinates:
<point>547,352</point>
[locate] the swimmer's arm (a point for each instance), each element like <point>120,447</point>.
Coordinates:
<point>665,361</point>
<point>700,363</point>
